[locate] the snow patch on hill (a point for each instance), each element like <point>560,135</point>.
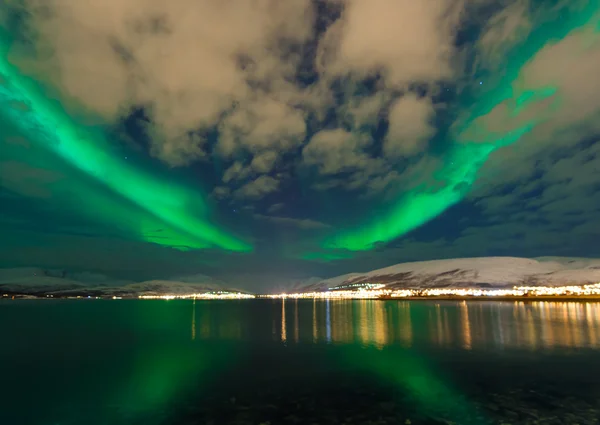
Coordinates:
<point>495,272</point>
<point>37,281</point>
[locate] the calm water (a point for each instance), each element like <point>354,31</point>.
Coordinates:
<point>298,362</point>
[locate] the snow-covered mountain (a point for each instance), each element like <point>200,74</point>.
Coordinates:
<point>196,284</point>
<point>485,272</point>
<point>37,281</point>
<point>29,280</point>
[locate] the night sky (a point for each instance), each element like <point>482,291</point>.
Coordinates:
<point>264,140</point>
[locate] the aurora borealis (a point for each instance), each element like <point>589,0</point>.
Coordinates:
<point>476,140</point>
<point>45,123</point>
<point>300,160</point>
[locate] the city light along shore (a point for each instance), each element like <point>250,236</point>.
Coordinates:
<point>201,296</point>
<point>378,291</point>
<point>374,291</point>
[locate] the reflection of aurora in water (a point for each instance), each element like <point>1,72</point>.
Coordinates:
<point>137,360</point>
<point>373,323</point>
<point>383,326</point>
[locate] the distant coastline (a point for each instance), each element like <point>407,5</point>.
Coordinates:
<point>503,298</point>
<point>509,298</point>
<point>470,279</point>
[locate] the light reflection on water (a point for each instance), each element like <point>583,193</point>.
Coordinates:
<point>466,325</point>
<point>135,359</point>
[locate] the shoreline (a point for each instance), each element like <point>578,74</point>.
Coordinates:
<point>530,298</point>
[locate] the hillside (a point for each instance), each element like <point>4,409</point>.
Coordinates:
<point>485,272</point>
<point>40,282</point>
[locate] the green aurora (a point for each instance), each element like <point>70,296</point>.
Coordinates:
<point>142,205</point>
<point>148,208</point>
<point>473,142</point>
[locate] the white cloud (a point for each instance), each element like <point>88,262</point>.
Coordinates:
<point>507,27</point>
<point>571,65</point>
<point>561,119</point>
<point>180,58</point>
<point>336,151</point>
<point>361,111</point>
<point>264,124</point>
<point>406,40</point>
<point>264,162</point>
<point>410,126</point>
<point>237,171</point>
<point>196,65</point>
<point>258,188</point>
<point>512,23</point>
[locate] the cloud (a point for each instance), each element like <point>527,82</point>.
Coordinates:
<point>275,207</point>
<point>187,62</point>
<point>512,22</point>
<point>365,111</point>
<point>257,188</point>
<point>199,65</point>
<point>572,65</point>
<point>569,65</point>
<point>248,85</point>
<point>264,162</point>
<point>507,27</point>
<point>265,124</point>
<point>336,151</point>
<point>544,205</point>
<point>221,192</point>
<point>560,189</point>
<point>566,70</point>
<point>411,40</point>
<point>343,160</point>
<point>306,224</point>
<point>237,171</point>
<point>563,71</point>
<point>410,126</point>
<point>231,68</point>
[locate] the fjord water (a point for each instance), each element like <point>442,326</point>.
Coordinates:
<point>298,362</point>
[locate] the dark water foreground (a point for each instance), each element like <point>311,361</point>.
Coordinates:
<point>298,362</point>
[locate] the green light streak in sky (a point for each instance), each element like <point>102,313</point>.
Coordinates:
<point>179,212</point>
<point>474,141</point>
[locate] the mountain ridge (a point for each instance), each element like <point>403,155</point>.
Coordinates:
<point>41,282</point>
<point>478,272</point>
